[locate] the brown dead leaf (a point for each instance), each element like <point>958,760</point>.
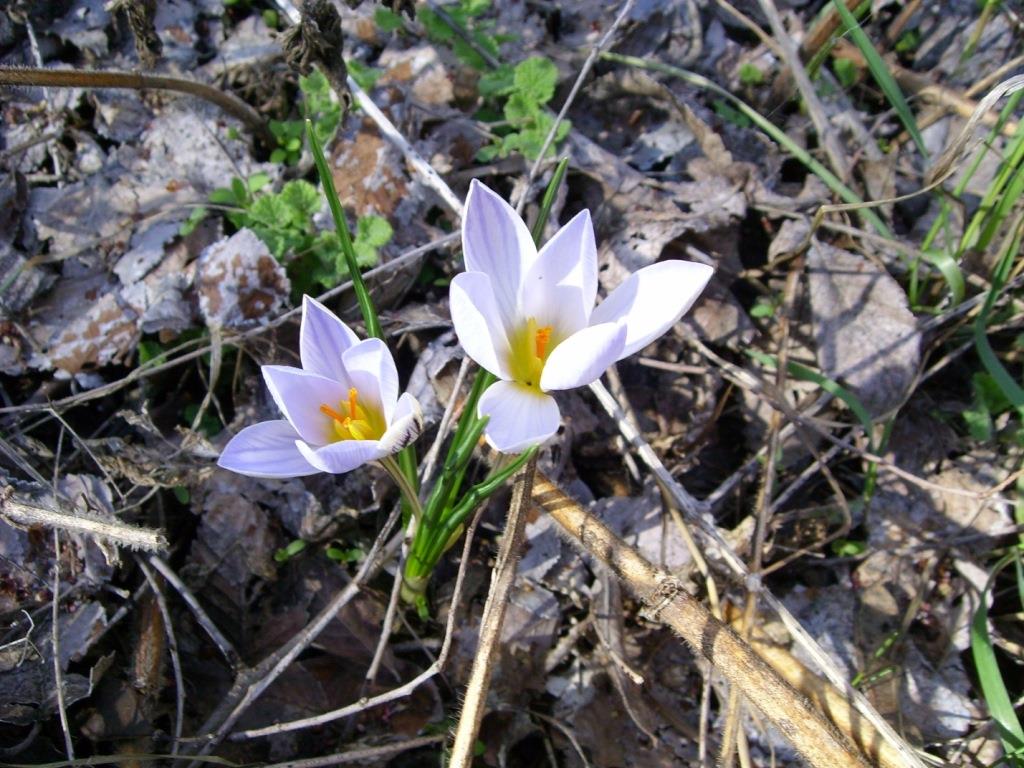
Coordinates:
<point>239,282</point>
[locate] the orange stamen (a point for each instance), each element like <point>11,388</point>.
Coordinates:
<point>352,395</point>
<point>542,339</point>
<point>326,410</point>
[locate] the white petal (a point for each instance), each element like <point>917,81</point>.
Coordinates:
<point>560,288</point>
<point>650,301</point>
<point>299,394</point>
<point>519,416</point>
<point>371,369</point>
<point>323,338</point>
<point>406,427</point>
<point>583,357</point>
<point>495,241</point>
<point>266,449</point>
<point>478,323</point>
<point>342,456</point>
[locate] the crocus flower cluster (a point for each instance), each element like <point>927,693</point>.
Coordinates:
<point>341,408</point>
<point>529,318</point>
<point>526,316</point>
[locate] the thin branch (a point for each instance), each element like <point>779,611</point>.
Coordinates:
<point>58,673</point>
<point>361,755</point>
<point>810,733</point>
<point>172,648</point>
<point>136,81</point>
<point>56,516</point>
<point>503,578</point>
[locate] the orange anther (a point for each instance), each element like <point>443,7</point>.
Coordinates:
<point>326,410</point>
<point>352,395</point>
<point>542,339</point>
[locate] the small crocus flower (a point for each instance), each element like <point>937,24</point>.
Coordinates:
<point>341,407</point>
<point>529,317</point>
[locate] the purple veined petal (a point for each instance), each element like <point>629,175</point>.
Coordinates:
<point>266,449</point>
<point>406,426</point>
<point>495,241</point>
<point>323,339</point>
<point>651,300</point>
<point>583,357</point>
<point>478,323</point>
<point>519,416</point>
<point>342,456</point>
<point>299,394</point>
<point>371,369</point>
<point>560,288</point>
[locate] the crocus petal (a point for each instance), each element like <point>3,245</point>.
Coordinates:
<point>266,449</point>
<point>371,369</point>
<point>323,339</point>
<point>406,427</point>
<point>495,241</point>
<point>651,300</point>
<point>583,357</point>
<point>560,288</point>
<point>478,323</point>
<point>519,416</point>
<point>342,456</point>
<point>299,394</point>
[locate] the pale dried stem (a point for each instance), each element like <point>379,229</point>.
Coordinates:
<point>22,512</point>
<point>172,648</point>
<point>822,126</point>
<point>503,578</point>
<point>202,617</point>
<point>430,459</point>
<point>695,512</point>
<point>58,673</point>
<point>808,730</point>
<point>364,755</point>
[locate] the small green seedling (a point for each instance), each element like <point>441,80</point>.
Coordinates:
<point>319,106</point>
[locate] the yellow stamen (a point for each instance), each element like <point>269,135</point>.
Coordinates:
<point>352,396</point>
<point>542,339</point>
<point>361,422</point>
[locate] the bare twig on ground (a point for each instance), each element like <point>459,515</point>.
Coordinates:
<point>58,673</point>
<point>172,649</point>
<point>136,81</point>
<point>694,511</point>
<point>361,755</point>
<point>502,579</point>
<point>667,601</point>
<point>57,517</point>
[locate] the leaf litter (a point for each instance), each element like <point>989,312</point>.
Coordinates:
<point>101,274</point>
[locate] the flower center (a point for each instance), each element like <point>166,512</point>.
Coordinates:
<point>354,421</point>
<point>530,347</point>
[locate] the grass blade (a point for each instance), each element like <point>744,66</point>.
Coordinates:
<point>882,75</point>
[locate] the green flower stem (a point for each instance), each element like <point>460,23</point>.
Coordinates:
<point>358,286</point>
<point>549,199</point>
<point>407,456</point>
<point>453,522</point>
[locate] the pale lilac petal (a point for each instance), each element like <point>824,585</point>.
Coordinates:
<point>583,357</point>
<point>371,369</point>
<point>266,449</point>
<point>406,427</point>
<point>299,394</point>
<point>495,241</point>
<point>342,456</point>
<point>323,339</point>
<point>519,416</point>
<point>478,323</point>
<point>651,300</point>
<point>560,288</point>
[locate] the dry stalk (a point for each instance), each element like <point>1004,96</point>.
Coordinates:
<point>23,512</point>
<point>807,729</point>
<point>493,618</point>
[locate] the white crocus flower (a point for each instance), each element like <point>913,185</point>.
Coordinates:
<point>341,408</point>
<point>529,318</point>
